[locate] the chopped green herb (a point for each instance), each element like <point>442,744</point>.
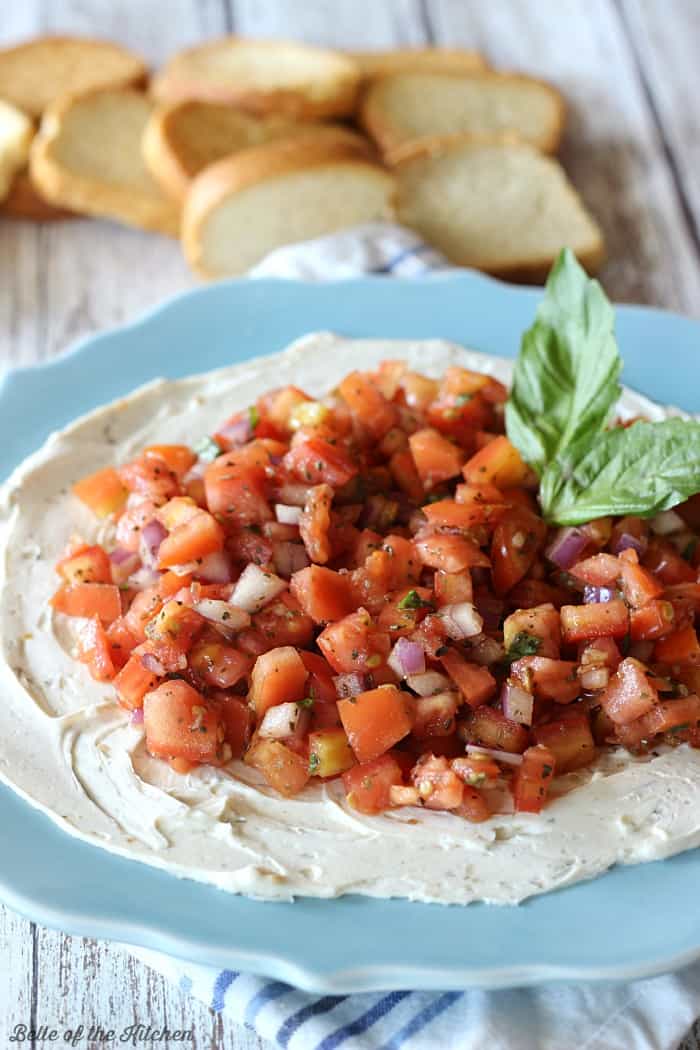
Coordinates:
<point>523,644</point>
<point>308,701</point>
<point>253,416</point>
<point>314,764</point>
<point>463,399</point>
<point>413,600</point>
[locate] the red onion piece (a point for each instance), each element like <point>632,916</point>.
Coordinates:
<point>196,471</point>
<point>287,514</point>
<point>152,664</point>
<point>292,494</point>
<point>595,595</point>
<point>255,589</point>
<point>152,535</point>
<point>137,716</point>
<point>124,564</point>
<point>143,577</point>
<point>461,620</point>
<point>119,555</point>
<point>289,557</point>
<point>224,616</point>
<point>215,568</point>
<point>351,684</point>
<point>594,678</point>
<point>407,658</point>
<point>237,431</point>
<point>626,540</point>
<point>567,547</point>
<point>428,683</point>
<point>505,757</point>
<point>518,704</point>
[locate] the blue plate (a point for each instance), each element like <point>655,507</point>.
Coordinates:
<point>631,922</point>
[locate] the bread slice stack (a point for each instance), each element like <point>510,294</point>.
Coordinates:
<point>243,207</point>
<point>16,134</point>
<point>87,157</point>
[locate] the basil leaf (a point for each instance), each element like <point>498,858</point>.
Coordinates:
<point>640,470</point>
<point>565,381</point>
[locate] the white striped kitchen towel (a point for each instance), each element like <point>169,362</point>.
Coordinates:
<point>641,1015</point>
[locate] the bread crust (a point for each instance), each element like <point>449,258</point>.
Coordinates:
<point>177,81</point>
<point>376,64</point>
<point>260,164</point>
<point>34,100</point>
<point>394,143</point>
<point>25,202</point>
<point>68,188</point>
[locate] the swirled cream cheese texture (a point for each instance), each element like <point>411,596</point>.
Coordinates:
<point>69,749</point>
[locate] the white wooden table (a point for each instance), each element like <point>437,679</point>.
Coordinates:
<point>628,69</point>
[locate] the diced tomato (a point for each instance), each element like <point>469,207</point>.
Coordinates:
<point>638,585</point>
<point>453,587</point>
<point>140,510</point>
<point>529,593</point>
<point>236,718</point>
<point>629,694</point>
<point>450,553</point>
<point>680,717</point>
<point>103,492</point>
<point>653,620</point>
<point>121,641</point>
<point>532,779</point>
<point>324,595</point>
<point>218,664</point>
<point>95,650</point>
<point>133,682</point>
<point>371,409</point>
<point>285,770</point>
<point>499,463</point>
<point>475,683</point>
<point>330,752</point>
<point>89,599</point>
<point>580,623</point>
<point>680,647</point>
<point>171,633</point>
<point>194,539</point>
<point>418,390</point>
<point>176,512</point>
<point>278,677</point>
<point>235,494</point>
<point>276,408</point>
<point>600,570</point>
<point>368,785</point>
<point>541,622</point>
<point>663,561</point>
<point>320,684</point>
<point>403,470</point>
<point>436,458</point>
<point>177,458</point>
<point>376,720</point>
<point>434,716</point>
<point>143,608</point>
<point>491,728</point>
<point>180,723</point>
<point>315,523</point>
<point>570,741</point>
<point>404,609</point>
<point>447,513</point>
<point>431,635</point>
<point>354,644</point>
<point>170,583</point>
<point>546,678</point>
<point>284,622</point>
<point>517,538</point>
<point>85,565</point>
<point>603,652</point>
<point>438,785</point>
<point>317,462</point>
<point>474,806</point>
<point>149,476</point>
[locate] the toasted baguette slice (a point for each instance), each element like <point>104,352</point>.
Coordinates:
<point>16,134</point>
<point>183,138</point>
<point>34,73</point>
<point>87,157</point>
<point>24,202</point>
<point>400,111</point>
<point>506,209</point>
<point>263,77</point>
<point>293,190</point>
<point>375,64</point>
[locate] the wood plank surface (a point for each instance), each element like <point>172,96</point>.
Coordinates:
<point>632,147</point>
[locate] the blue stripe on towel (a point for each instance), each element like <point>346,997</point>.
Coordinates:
<point>268,992</point>
<point>421,1019</point>
<point>312,1009</point>
<point>222,984</point>
<point>364,1021</point>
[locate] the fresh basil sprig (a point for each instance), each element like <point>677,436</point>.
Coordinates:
<point>565,387</point>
